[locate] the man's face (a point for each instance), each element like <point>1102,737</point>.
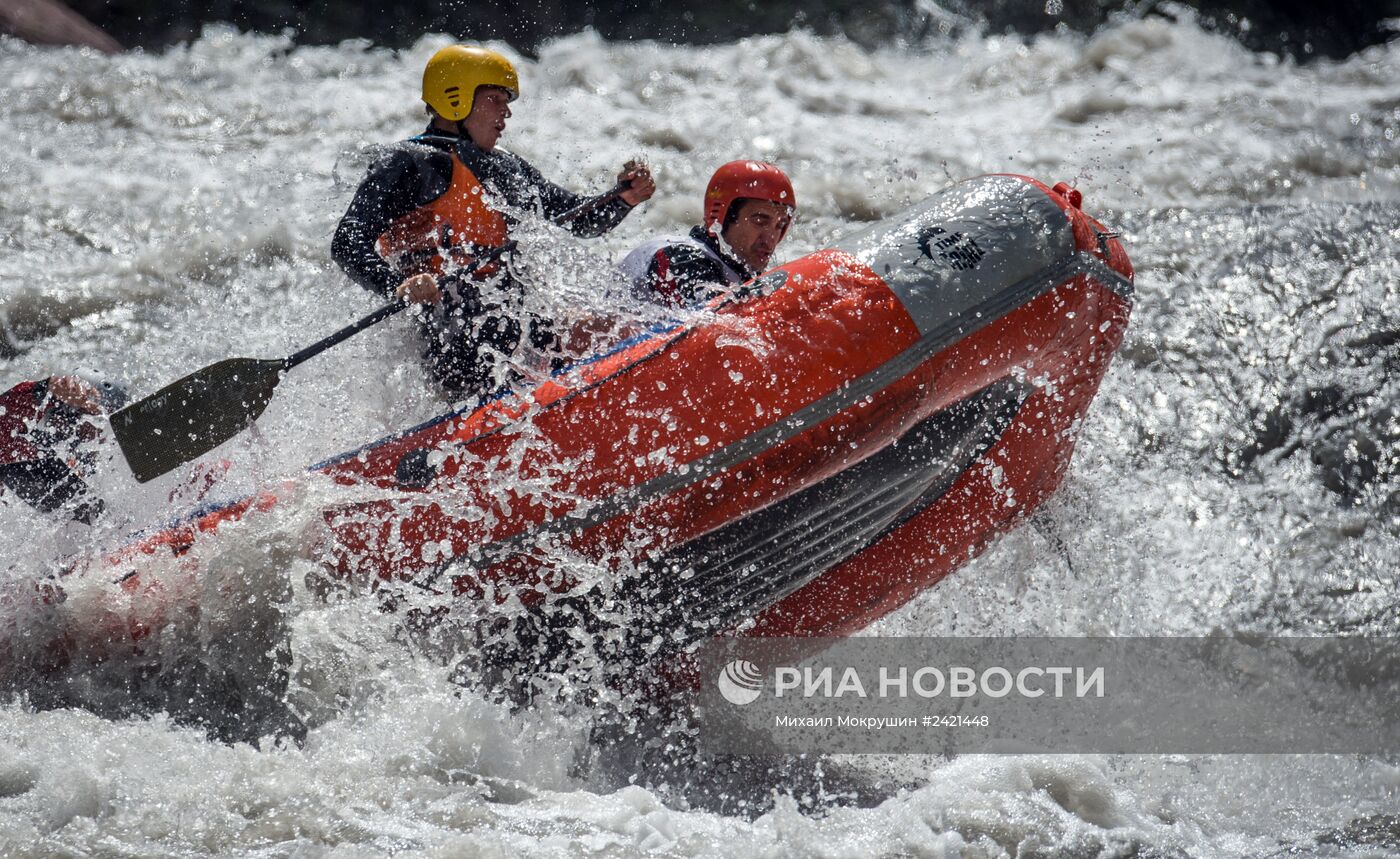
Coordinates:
<point>490,110</point>
<point>755,233</point>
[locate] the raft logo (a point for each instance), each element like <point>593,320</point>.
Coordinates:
<point>955,249</point>
<point>740,682</point>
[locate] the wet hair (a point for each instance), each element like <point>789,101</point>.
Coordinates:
<point>733,214</point>
<point>734,208</point>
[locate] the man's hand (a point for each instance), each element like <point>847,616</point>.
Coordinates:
<point>637,177</point>
<point>419,289</point>
<point>75,392</point>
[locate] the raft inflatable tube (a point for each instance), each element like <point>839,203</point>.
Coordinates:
<point>832,440</point>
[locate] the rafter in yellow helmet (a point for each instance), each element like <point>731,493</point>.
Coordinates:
<point>453,73</point>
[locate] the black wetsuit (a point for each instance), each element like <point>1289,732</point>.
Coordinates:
<point>488,320</point>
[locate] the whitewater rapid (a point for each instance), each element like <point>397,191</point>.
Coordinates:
<point>162,211</point>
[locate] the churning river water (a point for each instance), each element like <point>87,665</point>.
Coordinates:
<point>1237,472</point>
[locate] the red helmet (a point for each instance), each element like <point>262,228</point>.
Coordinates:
<point>740,180</point>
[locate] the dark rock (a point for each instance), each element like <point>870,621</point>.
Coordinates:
<point>49,22</point>
<point>1293,27</point>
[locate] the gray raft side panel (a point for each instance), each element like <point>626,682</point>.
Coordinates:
<point>958,249</point>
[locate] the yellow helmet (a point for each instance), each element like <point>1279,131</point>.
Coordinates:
<point>452,75</point>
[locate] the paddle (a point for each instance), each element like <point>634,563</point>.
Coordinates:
<point>190,417</point>
<point>196,414</point>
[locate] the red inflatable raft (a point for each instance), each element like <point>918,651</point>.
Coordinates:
<point>823,446</point>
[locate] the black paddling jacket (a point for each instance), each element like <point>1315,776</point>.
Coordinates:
<point>415,173</point>
<point>682,270</point>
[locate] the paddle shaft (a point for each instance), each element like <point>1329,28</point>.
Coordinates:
<point>381,314</point>
<point>589,205</point>
<point>343,334</point>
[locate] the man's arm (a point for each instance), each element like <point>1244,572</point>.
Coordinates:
<point>389,191</point>
<point>528,186</point>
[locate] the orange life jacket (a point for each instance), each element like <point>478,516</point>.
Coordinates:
<point>442,235</point>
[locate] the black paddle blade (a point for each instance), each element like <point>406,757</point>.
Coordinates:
<point>191,417</point>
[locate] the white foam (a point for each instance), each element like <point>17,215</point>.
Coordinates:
<point>165,210</point>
